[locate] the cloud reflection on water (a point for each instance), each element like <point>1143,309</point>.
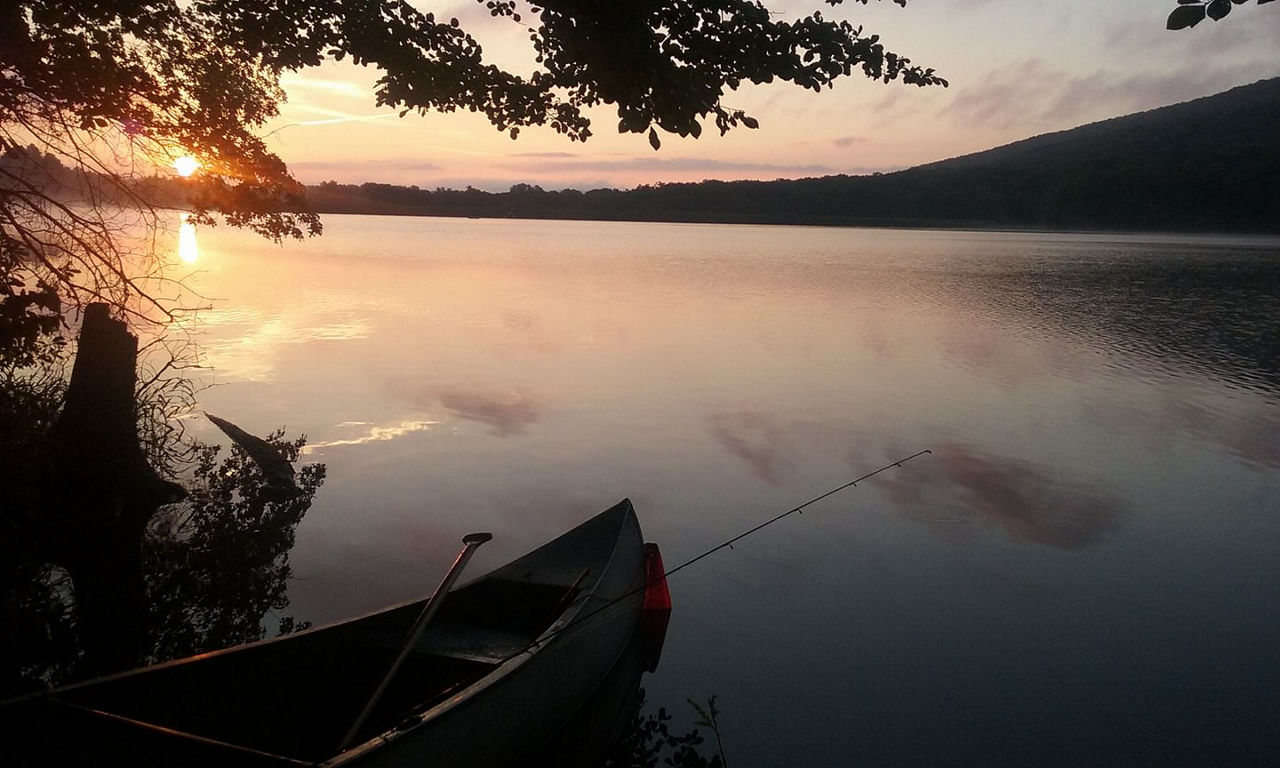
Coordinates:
<point>373,434</point>
<point>1252,435</point>
<point>1019,497</point>
<point>756,439</point>
<point>507,414</point>
<point>960,483</point>
<point>247,344</point>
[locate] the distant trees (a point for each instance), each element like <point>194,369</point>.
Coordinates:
<point>1204,165</point>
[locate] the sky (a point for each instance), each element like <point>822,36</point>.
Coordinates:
<point>1017,69</point>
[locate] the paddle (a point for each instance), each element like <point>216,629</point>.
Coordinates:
<point>470,542</point>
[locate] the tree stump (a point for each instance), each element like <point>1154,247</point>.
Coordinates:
<point>101,493</point>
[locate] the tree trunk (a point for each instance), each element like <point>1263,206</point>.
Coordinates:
<point>102,493</point>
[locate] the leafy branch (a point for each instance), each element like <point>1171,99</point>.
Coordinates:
<point>1191,12</point>
<point>709,715</point>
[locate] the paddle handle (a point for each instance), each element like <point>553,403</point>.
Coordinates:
<point>470,542</point>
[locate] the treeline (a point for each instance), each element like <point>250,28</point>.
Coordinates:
<point>1212,164</point>
<point>1209,165</point>
<point>32,173</point>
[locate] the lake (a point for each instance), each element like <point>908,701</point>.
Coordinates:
<point>1083,571</point>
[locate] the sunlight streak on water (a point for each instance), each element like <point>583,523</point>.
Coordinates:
<point>188,249</point>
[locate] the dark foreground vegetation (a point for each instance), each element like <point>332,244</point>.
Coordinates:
<point>1206,165</point>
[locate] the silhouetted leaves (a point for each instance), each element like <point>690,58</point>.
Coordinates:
<point>1185,16</point>
<point>1218,8</point>
<point>1191,12</point>
<point>29,321</point>
<point>649,742</point>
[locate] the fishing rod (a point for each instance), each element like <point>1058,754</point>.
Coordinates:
<point>728,543</point>
<point>793,510</point>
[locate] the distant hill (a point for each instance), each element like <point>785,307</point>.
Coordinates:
<point>1212,164</point>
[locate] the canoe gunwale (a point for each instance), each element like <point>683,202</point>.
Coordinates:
<point>183,735</point>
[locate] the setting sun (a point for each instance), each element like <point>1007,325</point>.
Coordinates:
<point>186,165</point>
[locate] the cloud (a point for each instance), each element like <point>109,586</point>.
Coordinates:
<point>335,87</point>
<point>579,163</point>
<point>359,171</point>
<point>955,486</point>
<point>250,347</point>
<point>335,117</point>
<point>1241,34</point>
<point>848,141</point>
<point>1031,96</point>
<point>295,113</point>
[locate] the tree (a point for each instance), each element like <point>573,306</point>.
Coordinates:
<point>116,87</point>
<point>1191,12</point>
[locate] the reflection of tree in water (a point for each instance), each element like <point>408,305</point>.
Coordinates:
<point>103,563</point>
<point>649,741</point>
<point>217,564</point>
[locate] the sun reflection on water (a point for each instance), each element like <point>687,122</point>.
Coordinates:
<point>188,251</point>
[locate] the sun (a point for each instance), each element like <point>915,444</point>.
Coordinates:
<point>186,165</point>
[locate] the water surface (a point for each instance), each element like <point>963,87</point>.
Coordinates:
<point>1082,572</point>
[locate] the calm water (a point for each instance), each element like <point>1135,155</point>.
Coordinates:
<point>1084,571</point>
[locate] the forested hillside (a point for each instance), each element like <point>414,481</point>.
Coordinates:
<point>1212,164</point>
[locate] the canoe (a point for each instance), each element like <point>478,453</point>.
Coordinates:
<point>509,659</point>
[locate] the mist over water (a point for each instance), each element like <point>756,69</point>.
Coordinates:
<point>1082,572</point>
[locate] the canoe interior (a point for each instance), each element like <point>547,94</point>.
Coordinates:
<point>296,696</point>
